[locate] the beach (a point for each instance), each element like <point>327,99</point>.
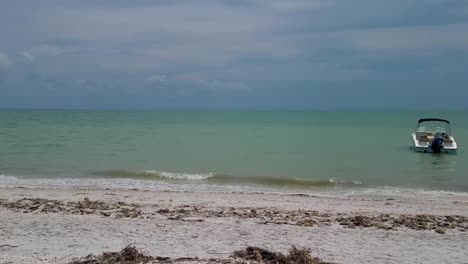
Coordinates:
<point>50,224</point>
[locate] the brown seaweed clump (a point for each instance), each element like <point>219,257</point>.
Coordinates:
<point>128,255</point>
<point>295,256</point>
<point>131,255</point>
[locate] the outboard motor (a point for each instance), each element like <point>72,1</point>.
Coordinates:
<point>437,143</point>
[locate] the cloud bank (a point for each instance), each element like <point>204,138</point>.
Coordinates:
<point>303,54</point>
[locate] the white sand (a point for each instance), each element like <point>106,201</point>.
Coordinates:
<point>57,237</point>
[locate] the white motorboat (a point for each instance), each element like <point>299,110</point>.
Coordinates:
<point>433,135</point>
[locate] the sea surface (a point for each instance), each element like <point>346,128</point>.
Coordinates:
<point>296,150</point>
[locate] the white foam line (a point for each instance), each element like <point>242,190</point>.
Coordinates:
<point>180,176</point>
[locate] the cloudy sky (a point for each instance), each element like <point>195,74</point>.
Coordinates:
<point>243,54</point>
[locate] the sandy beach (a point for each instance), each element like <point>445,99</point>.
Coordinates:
<point>56,225</point>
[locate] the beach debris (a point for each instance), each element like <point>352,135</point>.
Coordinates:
<point>82,207</point>
<point>129,255</point>
<point>260,255</point>
<point>7,245</point>
<point>311,218</point>
<point>295,256</point>
<point>440,230</point>
<point>416,222</point>
<point>306,222</point>
<point>262,215</point>
<point>128,212</point>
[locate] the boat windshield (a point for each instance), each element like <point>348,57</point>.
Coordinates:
<point>433,126</point>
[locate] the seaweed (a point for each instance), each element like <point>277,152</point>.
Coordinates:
<point>295,256</point>
<point>129,255</point>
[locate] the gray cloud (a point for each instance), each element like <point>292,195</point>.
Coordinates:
<point>44,50</point>
<point>417,38</point>
<point>28,56</point>
<point>5,60</point>
<point>165,49</point>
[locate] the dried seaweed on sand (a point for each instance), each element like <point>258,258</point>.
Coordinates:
<point>295,256</point>
<point>128,255</point>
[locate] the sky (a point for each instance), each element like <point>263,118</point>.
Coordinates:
<point>243,54</point>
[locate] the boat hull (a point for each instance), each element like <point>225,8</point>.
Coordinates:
<point>425,148</point>
<point>429,150</point>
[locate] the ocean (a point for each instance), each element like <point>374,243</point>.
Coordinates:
<point>280,150</point>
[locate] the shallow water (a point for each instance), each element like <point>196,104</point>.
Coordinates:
<point>282,149</point>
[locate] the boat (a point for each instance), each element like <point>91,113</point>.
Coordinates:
<point>433,135</point>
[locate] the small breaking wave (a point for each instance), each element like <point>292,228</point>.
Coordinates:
<point>284,181</point>
<point>7,177</point>
<point>154,174</point>
<point>155,180</point>
<point>229,179</point>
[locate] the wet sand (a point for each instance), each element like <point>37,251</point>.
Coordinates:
<point>56,225</point>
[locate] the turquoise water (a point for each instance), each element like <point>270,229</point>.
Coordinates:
<point>301,149</point>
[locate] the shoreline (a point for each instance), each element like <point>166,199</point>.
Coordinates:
<point>198,185</point>
<point>55,225</point>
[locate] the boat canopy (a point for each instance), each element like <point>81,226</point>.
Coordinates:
<point>432,119</point>
<point>433,125</point>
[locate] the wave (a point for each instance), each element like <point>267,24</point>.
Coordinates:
<point>155,180</point>
<point>154,174</point>
<point>8,177</point>
<point>227,179</point>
